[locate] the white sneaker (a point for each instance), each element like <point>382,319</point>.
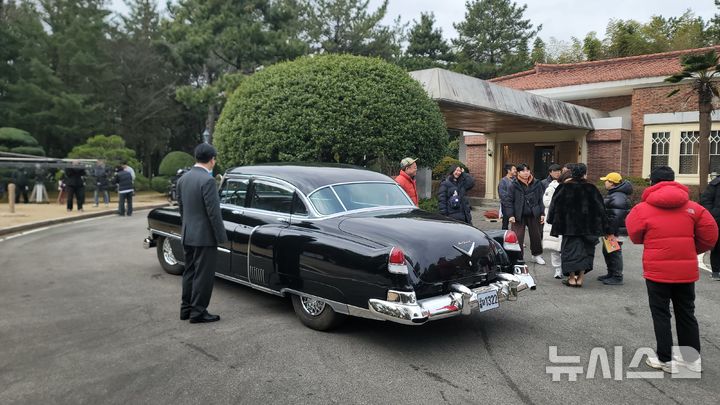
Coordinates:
<point>694,366</point>
<point>538,259</point>
<point>666,366</point>
<point>558,273</point>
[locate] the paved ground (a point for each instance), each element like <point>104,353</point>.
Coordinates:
<point>90,317</point>
<point>30,213</point>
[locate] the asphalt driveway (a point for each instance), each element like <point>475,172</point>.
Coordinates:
<point>90,317</point>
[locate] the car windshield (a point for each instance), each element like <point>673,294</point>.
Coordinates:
<point>355,196</point>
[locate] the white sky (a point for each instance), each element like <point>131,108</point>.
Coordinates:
<point>561,19</point>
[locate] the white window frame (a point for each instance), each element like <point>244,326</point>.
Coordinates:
<point>674,152</point>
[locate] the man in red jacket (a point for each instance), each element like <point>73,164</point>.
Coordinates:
<point>406,178</point>
<point>674,231</point>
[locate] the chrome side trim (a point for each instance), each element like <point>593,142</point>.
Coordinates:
<point>169,235</point>
<point>362,313</point>
<point>221,249</point>
<point>338,307</point>
<point>249,253</point>
<point>245,283</point>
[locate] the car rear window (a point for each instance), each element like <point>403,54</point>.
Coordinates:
<point>355,196</point>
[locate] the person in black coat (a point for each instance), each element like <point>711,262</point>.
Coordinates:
<point>22,185</point>
<point>123,179</point>
<point>524,207</point>
<point>577,212</point>
<point>452,199</point>
<point>617,206</point>
<point>710,199</point>
<point>101,183</point>
<point>202,231</point>
<point>75,186</point>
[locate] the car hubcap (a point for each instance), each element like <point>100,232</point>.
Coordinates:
<point>312,306</point>
<point>168,253</point>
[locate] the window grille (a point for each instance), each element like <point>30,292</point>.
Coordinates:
<point>715,152</point>
<point>660,154</point>
<point>689,145</point>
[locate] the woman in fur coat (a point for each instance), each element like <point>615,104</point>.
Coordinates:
<point>578,214</point>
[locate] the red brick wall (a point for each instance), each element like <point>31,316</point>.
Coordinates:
<point>652,100</point>
<point>604,104</point>
<point>604,154</point>
<point>475,160</point>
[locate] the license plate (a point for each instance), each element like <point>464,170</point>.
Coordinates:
<point>487,300</point>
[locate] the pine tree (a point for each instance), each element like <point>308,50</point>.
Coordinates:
<point>492,38</point>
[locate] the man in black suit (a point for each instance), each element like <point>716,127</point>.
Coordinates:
<point>202,231</point>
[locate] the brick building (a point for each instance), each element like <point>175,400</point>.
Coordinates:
<point>634,125</point>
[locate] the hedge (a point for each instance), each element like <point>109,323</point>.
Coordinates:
<point>331,108</point>
<point>174,161</point>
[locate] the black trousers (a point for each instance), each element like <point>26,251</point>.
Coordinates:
<point>534,230</point>
<point>505,222</point>
<point>715,258</point>
<point>21,190</point>
<point>79,193</point>
<point>198,279</point>
<point>683,300</point>
<point>614,262</point>
<point>124,198</point>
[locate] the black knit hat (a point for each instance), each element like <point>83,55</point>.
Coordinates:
<point>204,152</point>
<point>662,173</point>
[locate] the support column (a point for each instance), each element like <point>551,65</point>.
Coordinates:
<point>490,175</point>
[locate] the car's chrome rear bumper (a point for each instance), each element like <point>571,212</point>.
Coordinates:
<point>402,307</point>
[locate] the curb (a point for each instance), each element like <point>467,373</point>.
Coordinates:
<point>55,221</point>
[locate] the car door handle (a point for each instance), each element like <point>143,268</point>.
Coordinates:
<point>285,220</point>
<point>237,212</point>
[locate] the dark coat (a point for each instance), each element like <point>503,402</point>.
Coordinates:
<point>447,190</point>
<point>101,178</point>
<point>202,223</point>
<point>617,206</point>
<point>123,179</point>
<point>74,177</point>
<point>710,198</point>
<point>521,196</point>
<point>577,209</point>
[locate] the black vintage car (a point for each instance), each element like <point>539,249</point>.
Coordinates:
<point>341,240</point>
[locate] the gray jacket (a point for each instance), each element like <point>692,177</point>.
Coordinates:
<point>202,223</point>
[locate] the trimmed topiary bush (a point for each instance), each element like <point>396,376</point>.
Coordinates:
<point>161,184</point>
<point>18,141</point>
<point>330,108</point>
<point>174,161</point>
<point>442,169</point>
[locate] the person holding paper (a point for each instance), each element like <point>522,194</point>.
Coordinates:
<point>617,206</point>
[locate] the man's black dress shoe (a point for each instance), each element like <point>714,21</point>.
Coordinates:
<point>205,318</point>
<point>184,316</point>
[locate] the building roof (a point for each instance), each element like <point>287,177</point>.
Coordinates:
<point>545,76</point>
<point>476,105</point>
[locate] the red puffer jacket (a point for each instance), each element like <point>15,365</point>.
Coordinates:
<point>674,230</point>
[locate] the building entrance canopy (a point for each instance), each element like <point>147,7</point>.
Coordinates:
<point>472,104</point>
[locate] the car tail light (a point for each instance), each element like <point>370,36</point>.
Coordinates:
<point>396,262</point>
<point>510,241</point>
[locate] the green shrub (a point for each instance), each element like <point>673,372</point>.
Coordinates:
<point>442,169</point>
<point>330,108</point>
<point>174,161</point>
<point>429,204</point>
<point>161,184</point>
<point>109,148</point>
<point>29,150</point>
<point>141,183</point>
<point>18,141</point>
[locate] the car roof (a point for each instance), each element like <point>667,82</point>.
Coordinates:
<point>307,177</point>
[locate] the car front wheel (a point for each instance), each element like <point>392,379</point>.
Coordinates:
<point>167,259</point>
<point>316,314</point>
